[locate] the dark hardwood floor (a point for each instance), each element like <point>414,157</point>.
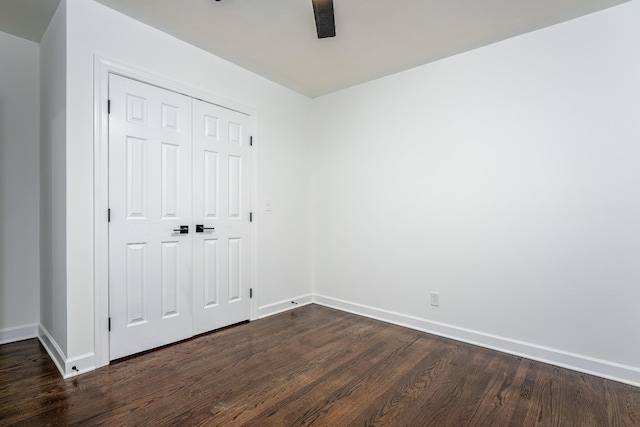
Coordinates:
<point>311,366</point>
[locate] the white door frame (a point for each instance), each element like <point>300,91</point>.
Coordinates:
<point>102,68</point>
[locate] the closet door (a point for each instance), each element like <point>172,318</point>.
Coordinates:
<point>150,229</point>
<point>221,204</point>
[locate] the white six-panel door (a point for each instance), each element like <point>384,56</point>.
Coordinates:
<point>221,178</point>
<point>175,162</point>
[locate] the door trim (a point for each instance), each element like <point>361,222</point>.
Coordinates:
<point>102,68</point>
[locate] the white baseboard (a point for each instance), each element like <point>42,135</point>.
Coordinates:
<point>279,307</point>
<point>68,367</point>
<point>79,365</point>
<point>601,368</point>
<point>55,352</point>
<point>18,333</point>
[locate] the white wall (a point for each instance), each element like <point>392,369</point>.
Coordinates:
<point>19,188</point>
<point>53,289</point>
<point>282,144</point>
<point>506,179</point>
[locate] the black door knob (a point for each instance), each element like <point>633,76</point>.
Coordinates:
<point>200,228</point>
<point>184,229</point>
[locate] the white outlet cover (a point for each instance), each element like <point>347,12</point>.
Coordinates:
<point>435,299</point>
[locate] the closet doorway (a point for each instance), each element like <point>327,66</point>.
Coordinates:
<point>179,216</point>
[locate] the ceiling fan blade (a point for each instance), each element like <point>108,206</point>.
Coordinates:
<point>325,22</point>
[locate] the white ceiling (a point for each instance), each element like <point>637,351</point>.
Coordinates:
<point>26,18</point>
<point>277,38</point>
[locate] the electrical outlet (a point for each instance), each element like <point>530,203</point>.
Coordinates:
<point>435,299</point>
<point>268,204</point>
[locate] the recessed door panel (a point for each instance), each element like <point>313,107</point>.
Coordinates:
<point>235,133</point>
<point>235,187</point>
<point>136,177</point>
<point>136,109</point>
<point>235,268</point>
<point>169,279</point>
<point>170,117</point>
<point>210,184</point>
<point>170,155</point>
<point>136,283</point>
<point>211,127</point>
<point>211,274</point>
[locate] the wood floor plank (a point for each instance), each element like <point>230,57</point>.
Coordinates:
<point>346,391</point>
<point>289,371</point>
<point>389,408</point>
<point>460,381</point>
<point>355,397</point>
<point>311,366</point>
<point>333,376</point>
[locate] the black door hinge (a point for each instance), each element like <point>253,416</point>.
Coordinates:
<point>250,292</point>
<point>250,216</point>
<point>251,141</point>
<point>109,324</point>
<point>108,215</point>
<point>109,106</point>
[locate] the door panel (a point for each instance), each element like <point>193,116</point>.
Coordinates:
<point>221,179</point>
<point>150,196</point>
